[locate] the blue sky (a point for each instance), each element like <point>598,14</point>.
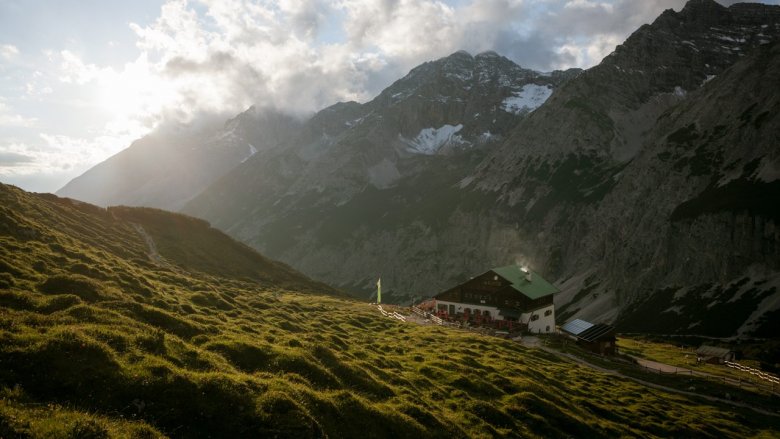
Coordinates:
<point>86,26</point>
<point>80,80</point>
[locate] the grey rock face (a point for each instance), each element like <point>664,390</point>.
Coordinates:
<point>375,185</point>
<point>651,184</point>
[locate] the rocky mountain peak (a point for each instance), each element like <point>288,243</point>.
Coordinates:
<point>657,66</point>
<point>702,8</point>
<point>460,54</point>
<point>478,97</point>
<point>702,39</point>
<point>488,54</point>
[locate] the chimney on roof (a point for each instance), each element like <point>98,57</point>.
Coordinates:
<point>527,272</point>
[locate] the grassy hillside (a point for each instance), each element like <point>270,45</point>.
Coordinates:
<point>98,340</point>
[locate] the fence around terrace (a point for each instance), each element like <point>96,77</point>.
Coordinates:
<point>755,383</point>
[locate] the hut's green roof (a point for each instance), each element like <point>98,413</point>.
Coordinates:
<point>535,288</point>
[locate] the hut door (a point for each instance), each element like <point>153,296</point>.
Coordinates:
<point>452,310</point>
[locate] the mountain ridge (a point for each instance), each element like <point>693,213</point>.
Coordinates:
<point>374,147</point>
<point>169,166</point>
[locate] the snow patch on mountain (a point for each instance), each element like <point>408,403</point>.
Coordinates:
<point>430,140</point>
<point>462,75</point>
<point>528,99</point>
<point>769,171</point>
<point>352,123</point>
<point>465,182</point>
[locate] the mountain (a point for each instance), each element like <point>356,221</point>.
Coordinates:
<point>613,179</point>
<point>716,208</point>
<point>122,323</point>
<point>167,168</point>
<point>598,187</point>
<point>358,172</point>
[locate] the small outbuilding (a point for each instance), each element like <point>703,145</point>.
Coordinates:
<point>714,355</point>
<point>598,338</point>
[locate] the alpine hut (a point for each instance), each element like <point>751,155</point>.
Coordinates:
<point>501,295</point>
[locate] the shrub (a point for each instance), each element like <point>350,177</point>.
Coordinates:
<point>62,366</point>
<point>16,301</point>
<point>61,302</point>
<point>84,287</point>
<point>285,416</point>
<point>6,281</point>
<point>210,300</point>
<point>158,318</point>
<point>244,356</point>
<point>87,429</point>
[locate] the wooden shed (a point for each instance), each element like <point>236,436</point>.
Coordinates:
<point>714,355</point>
<point>598,338</point>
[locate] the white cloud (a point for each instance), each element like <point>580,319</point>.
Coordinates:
<point>48,163</point>
<point>33,89</point>
<point>225,55</point>
<point>404,29</point>
<point>74,71</point>
<point>57,154</point>
<point>8,118</point>
<point>8,51</point>
<point>583,51</point>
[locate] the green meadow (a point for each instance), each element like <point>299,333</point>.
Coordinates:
<point>98,340</point>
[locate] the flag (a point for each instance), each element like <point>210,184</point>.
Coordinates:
<point>379,290</point>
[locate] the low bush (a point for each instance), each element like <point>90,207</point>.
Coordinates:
<point>87,289</point>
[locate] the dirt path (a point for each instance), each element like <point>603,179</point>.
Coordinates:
<point>657,386</point>
<point>153,254</point>
<point>666,368</point>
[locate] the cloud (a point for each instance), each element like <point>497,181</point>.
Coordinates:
<point>57,154</point>
<point>9,119</point>
<point>50,162</point>
<point>8,51</point>
<point>223,56</point>
<point>74,71</point>
<point>10,159</point>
